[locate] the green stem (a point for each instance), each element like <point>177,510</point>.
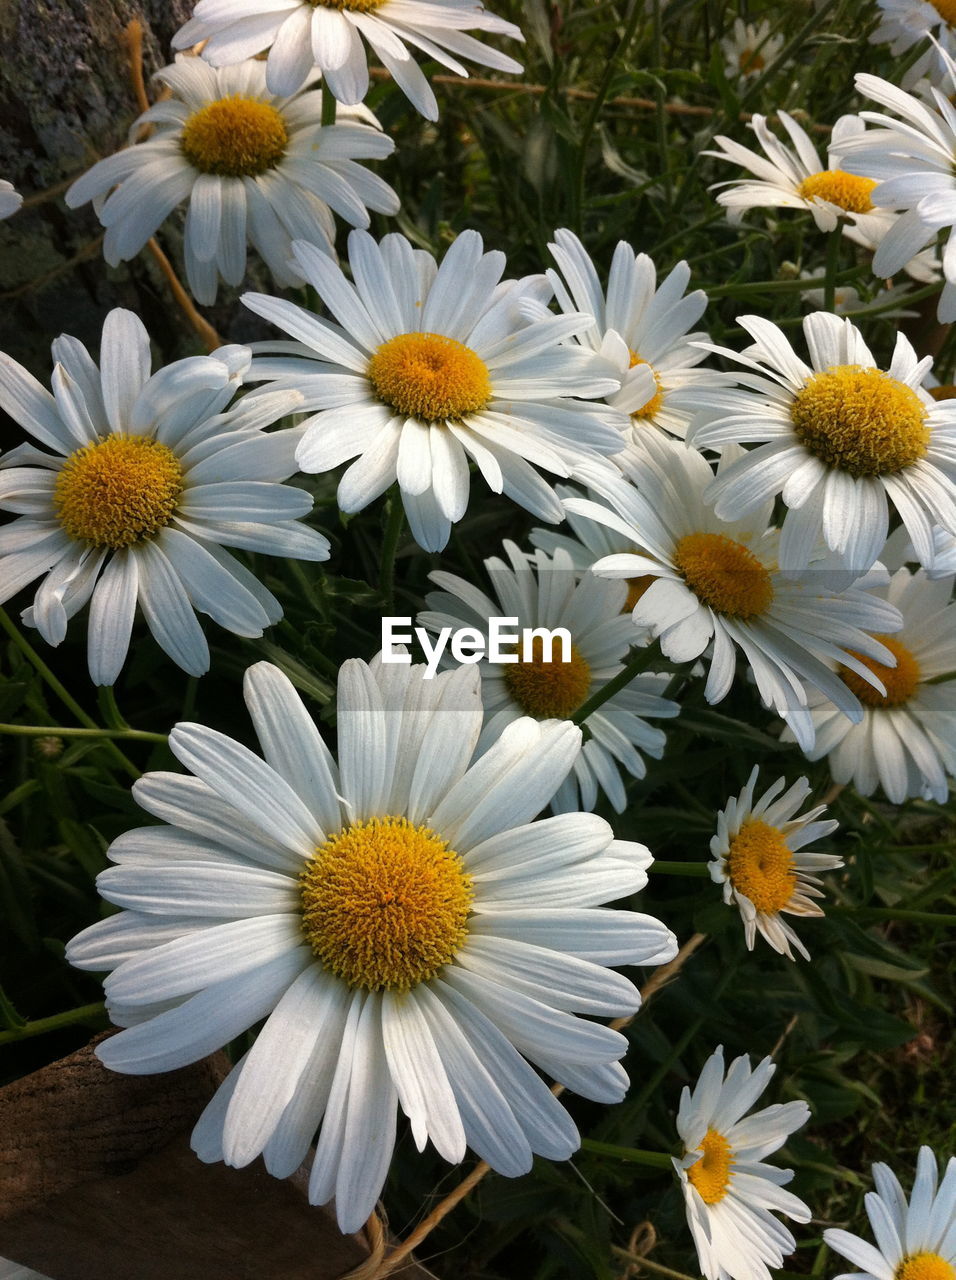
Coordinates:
<point>61,692</point>
<point>779,286</point>
<point>42,1025</point>
<point>640,662</point>
<point>696,869</point>
<point>633,1155</point>
<point>329,106</point>
<point>832,266</point>
<point>393,532</point>
<point>55,731</point>
<point>657,1268</point>
<point>892,913</point>
<point>109,710</point>
<point>660,113</point>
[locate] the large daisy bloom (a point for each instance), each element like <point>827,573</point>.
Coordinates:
<point>430,366</point>
<point>905,23</point>
<point>749,49</point>
<point>10,199</point>
<point>840,439</point>
<point>911,161</point>
<point>407,931</point>
<point>255,168</point>
<point>640,327</point>
<point>730,1194</point>
<point>759,856</point>
<point>304,34</point>
<point>906,741</point>
<point>546,592</point>
<point>915,1237</point>
<point>716,584</point>
<point>149,479</point>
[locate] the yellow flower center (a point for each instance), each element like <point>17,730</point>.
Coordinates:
<point>384,904</point>
<point>946,9</point>
<point>549,690</point>
<point>635,589</point>
<point>429,377</point>
<point>847,190</point>
<point>944,392</point>
<point>749,61</point>
<point>653,405</point>
<point>118,492</point>
<point>234,137</point>
<point>760,866</point>
<point>900,681</point>
<point>925,1266</point>
<point>712,1173</point>
<point>860,420</point>
<point>354,6</point>
<point>724,574</point>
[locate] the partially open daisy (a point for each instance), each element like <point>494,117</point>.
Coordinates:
<point>840,438</point>
<point>255,168</point>
<point>749,49</point>
<point>546,592</point>
<point>906,23</point>
<point>730,1194</point>
<point>301,35</point>
<point>642,329</point>
<point>915,1237</point>
<point>407,931</point>
<point>717,584</point>
<point>430,366</point>
<point>906,741</point>
<point>10,199</point>
<point>149,479</point>
<point>760,859</point>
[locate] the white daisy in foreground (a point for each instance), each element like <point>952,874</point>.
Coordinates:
<point>840,438</point>
<point>430,366</point>
<point>911,160</point>
<point>405,929</point>
<point>149,479</point>
<point>730,1194</point>
<point>255,168</point>
<point>716,584</point>
<point>906,23</point>
<point>10,199</point>
<point>642,329</point>
<point>906,741</point>
<point>749,49</point>
<point>915,1238</point>
<point>545,592</point>
<point>303,34</point>
<point>760,860</point>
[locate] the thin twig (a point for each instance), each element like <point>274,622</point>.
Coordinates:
<point>132,38</point>
<point>207,334</point>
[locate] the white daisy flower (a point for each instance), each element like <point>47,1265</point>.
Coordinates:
<point>839,440</point>
<point>149,479</point>
<point>717,584</point>
<point>911,161</point>
<point>915,1238</point>
<point>749,49</point>
<point>407,931</point>
<point>730,1194</point>
<point>906,741</point>
<point>640,328</point>
<point>906,23</point>
<point>254,167</point>
<point>303,34</point>
<point>760,859</point>
<point>429,367</point>
<point>545,592</point>
<point>10,199</point>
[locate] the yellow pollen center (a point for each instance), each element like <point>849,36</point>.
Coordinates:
<point>549,690</point>
<point>635,589</point>
<point>353,6</point>
<point>750,61</point>
<point>945,392</point>
<point>118,492</point>
<point>847,190</point>
<point>384,904</point>
<point>712,1173</point>
<point>429,377</point>
<point>760,866</point>
<point>235,137</point>
<point>724,574</point>
<point>946,10</point>
<point>657,399</point>
<point>860,421</point>
<point>900,681</point>
<point>925,1266</point>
